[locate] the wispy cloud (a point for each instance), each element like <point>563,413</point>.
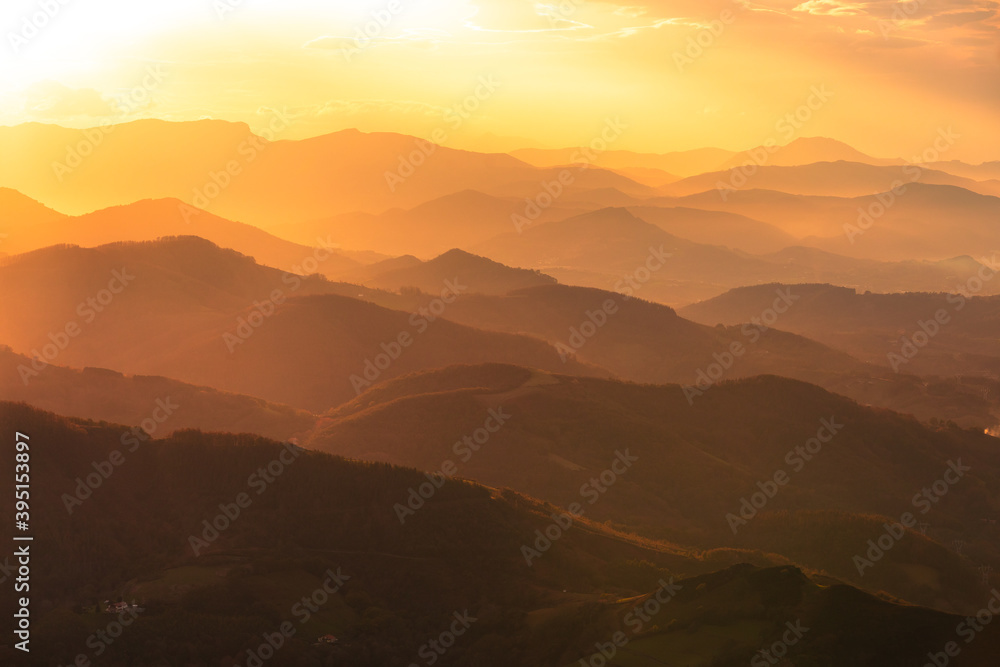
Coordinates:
<point>830,8</point>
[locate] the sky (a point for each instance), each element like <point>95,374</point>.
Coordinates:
<point>501,74</point>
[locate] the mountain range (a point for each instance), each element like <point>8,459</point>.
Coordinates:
<point>569,406</point>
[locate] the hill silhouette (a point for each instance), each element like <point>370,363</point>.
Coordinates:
<point>648,342</point>
<point>240,175</point>
<point>212,317</point>
<point>215,318</point>
<point>159,405</point>
<point>153,219</point>
<point>838,179</point>
<point>682,163</point>
<point>461,220</point>
<point>15,207</point>
<point>918,221</point>
<point>479,274</point>
<point>694,463</point>
<point>803,151</point>
<point>716,228</point>
<point>325,519</point>
<point>610,248</point>
<point>871,326</point>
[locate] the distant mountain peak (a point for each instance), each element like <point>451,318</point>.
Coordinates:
<point>458,253</point>
<point>819,142</point>
<point>619,216</point>
<point>14,204</point>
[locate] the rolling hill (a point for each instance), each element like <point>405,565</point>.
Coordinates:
<point>478,274</point>
<point>240,175</point>
<point>805,150</point>
<point>682,163</point>
<point>641,341</point>
<point>211,317</point>
<point>601,248</point>
<point>614,249</point>
<point>684,467</point>
<point>158,405</point>
<point>871,326</point>
<point>921,221</point>
<point>458,220</point>
<point>319,550</point>
<point>16,208</point>
<point>149,220</point>
<point>837,179</point>
<point>134,536</point>
<point>187,309</point>
<point>980,172</point>
<point>717,228</point>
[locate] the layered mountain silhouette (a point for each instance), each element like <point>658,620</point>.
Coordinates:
<point>682,163</point>
<point>654,178</point>
<point>610,248</point>
<point>457,220</point>
<point>223,321</point>
<point>152,219</point>
<point>916,221</point>
<point>328,523</point>
<point>803,151</point>
<point>646,342</point>
<point>960,329</point>
<point>696,463</point>
<point>478,274</point>
<point>984,171</point>
<point>240,175</point>
<point>207,316</point>
<point>16,208</point>
<point>798,152</point>
<point>154,406</point>
<point>643,341</point>
<point>381,301</point>
<point>717,228</point>
<point>837,179</point>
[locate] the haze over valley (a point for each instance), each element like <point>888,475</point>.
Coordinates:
<point>470,333</point>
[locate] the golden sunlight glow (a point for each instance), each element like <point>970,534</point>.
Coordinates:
<point>683,73</point>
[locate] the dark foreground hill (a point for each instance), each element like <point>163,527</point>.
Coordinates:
<point>823,473</point>
<point>319,550</point>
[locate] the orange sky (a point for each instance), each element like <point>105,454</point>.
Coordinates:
<point>897,71</point>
